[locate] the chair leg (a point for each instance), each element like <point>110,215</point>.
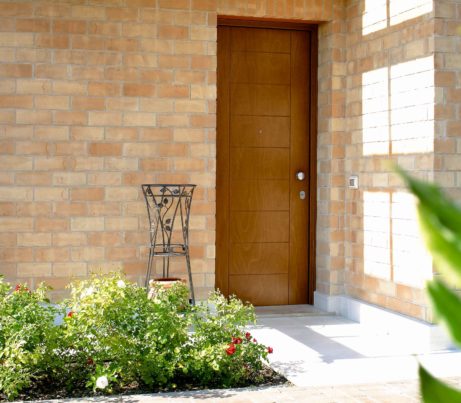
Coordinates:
<point>189,272</point>
<point>150,262</point>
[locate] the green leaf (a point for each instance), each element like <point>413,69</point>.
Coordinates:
<point>447,305</point>
<point>435,391</point>
<point>444,245</point>
<point>430,195</point>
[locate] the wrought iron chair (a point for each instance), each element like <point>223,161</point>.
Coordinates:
<point>167,205</point>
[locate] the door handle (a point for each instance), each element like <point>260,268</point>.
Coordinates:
<point>300,175</point>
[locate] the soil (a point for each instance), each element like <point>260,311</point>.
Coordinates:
<point>45,391</point>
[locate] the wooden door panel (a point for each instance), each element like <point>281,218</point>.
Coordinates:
<point>259,163</point>
<point>254,288</point>
<point>260,99</point>
<point>260,68</point>
<point>267,226</point>
<point>260,131</point>
<point>262,195</point>
<point>249,258</point>
<point>260,40</point>
<point>263,139</point>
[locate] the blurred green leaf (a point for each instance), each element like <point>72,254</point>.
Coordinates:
<point>440,221</point>
<point>447,305</point>
<point>435,391</point>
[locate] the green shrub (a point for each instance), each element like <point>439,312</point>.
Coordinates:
<point>113,336</point>
<point>27,336</point>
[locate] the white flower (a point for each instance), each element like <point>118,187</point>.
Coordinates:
<point>121,284</point>
<point>87,292</point>
<point>102,382</point>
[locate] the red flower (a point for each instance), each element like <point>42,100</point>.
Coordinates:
<point>255,341</point>
<point>90,361</point>
<point>270,350</point>
<point>237,340</point>
<point>20,287</point>
<point>248,336</point>
<point>231,349</point>
<point>70,314</point>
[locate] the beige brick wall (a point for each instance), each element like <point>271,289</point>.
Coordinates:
<point>390,119</point>
<point>96,98</point>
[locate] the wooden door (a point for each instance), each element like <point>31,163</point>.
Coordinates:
<point>263,140</point>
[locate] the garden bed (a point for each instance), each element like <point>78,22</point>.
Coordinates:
<point>113,339</point>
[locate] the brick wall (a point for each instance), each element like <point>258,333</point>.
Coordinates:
<point>96,98</point>
<point>390,119</point>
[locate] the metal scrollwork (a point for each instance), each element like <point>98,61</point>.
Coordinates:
<point>168,205</point>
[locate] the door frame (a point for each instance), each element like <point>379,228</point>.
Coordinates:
<point>221,278</point>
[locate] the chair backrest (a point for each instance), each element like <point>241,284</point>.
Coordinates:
<point>168,209</point>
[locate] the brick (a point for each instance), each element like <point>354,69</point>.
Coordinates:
<point>122,14</point>
<point>34,269</point>
<point>69,87</point>
<point>189,135</point>
<point>15,70</point>
<point>32,25</point>
<point>68,209</point>
<point>121,164</point>
<point>189,165</point>
<point>15,194</point>
<point>173,120</point>
<point>139,119</point>
<point>121,223</point>
<point>104,209</point>
<point>33,209</point>
<point>70,26</point>
<point>88,13</point>
<point>141,60</point>
<point>122,253</point>
<point>8,9</point>
<point>156,105</point>
<point>87,133</point>
<point>52,133</point>
<point>33,117</point>
<point>156,134</point>
<point>52,41</point>
<point>69,178</point>
<point>87,254</point>
<point>52,102</point>
<point>44,224</point>
<point>139,30</point>
<point>104,149</point>
<point>16,224</point>
<point>88,103</point>
<point>88,42</point>
<point>87,194</point>
<point>121,133</point>
<point>52,10</point>
<point>177,4</point>
<point>122,73</point>
<point>138,90</point>
<point>105,178</point>
<point>50,194</point>
<point>104,238</point>
<point>7,209</point>
<point>104,28</point>
<point>167,61</point>
<point>16,39</point>
<point>124,44</point>
<point>172,32</point>
<point>190,106</point>
<point>155,165</point>
<point>122,104</point>
<point>173,91</point>
<point>12,162</point>
<point>33,86</point>
<point>69,239</point>
<point>16,101</point>
<point>70,269</point>
<point>105,118</point>
<point>87,224</point>
<point>104,89</point>
<point>87,73</point>
<point>70,148</point>
<point>122,193</point>
<point>33,178</point>
<point>52,255</point>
